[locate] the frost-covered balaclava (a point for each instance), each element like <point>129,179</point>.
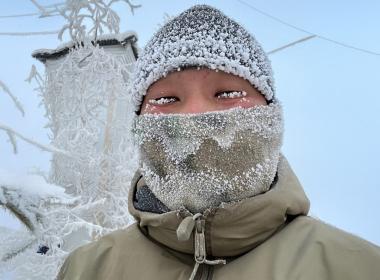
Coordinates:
<point>199,161</point>
<point>202,36</point>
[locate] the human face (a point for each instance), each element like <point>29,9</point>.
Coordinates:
<point>199,91</point>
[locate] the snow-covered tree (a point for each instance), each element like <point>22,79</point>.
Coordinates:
<point>84,91</point>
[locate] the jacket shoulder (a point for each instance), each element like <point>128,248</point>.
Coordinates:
<point>88,261</point>
<point>122,254</point>
<point>307,249</point>
<point>323,232</point>
<point>339,254</point>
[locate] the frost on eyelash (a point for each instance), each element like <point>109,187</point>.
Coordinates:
<point>233,94</point>
<point>161,101</point>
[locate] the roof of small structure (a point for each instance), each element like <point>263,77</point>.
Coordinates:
<point>103,40</point>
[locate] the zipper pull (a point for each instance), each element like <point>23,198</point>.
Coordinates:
<point>200,246</point>
<point>199,243</point>
<point>186,227</point>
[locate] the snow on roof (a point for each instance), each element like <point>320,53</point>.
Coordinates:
<point>103,40</point>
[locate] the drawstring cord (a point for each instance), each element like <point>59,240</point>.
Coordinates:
<point>184,231</point>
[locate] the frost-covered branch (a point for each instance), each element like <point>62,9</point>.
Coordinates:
<point>133,7</point>
<point>87,109</point>
<point>14,242</point>
<point>13,134</point>
<point>24,195</point>
<point>34,75</point>
<point>27,215</point>
<point>13,97</point>
<point>40,7</point>
<point>98,12</point>
<point>44,209</point>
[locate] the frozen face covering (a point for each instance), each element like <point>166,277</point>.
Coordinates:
<point>197,161</point>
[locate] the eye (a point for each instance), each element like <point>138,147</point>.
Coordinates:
<point>230,94</point>
<point>163,100</point>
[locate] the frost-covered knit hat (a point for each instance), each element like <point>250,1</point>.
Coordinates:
<point>202,36</point>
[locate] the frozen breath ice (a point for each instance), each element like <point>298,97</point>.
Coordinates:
<point>197,161</point>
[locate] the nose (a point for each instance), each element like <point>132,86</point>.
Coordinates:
<point>197,103</point>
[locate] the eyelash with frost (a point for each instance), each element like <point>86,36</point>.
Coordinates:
<point>161,100</point>
<point>166,100</point>
<point>232,94</point>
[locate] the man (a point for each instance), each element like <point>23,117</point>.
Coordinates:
<point>214,198</point>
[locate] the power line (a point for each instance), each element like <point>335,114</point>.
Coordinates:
<point>39,7</point>
<point>49,14</point>
<point>291,44</point>
<point>336,42</point>
<point>29,33</point>
<point>31,15</point>
<point>21,15</point>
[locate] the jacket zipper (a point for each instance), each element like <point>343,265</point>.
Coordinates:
<point>205,272</point>
<point>203,267</point>
<point>206,267</point>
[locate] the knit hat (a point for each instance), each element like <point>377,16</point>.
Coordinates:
<point>202,36</point>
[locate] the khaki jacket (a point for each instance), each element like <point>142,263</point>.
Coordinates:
<point>266,237</point>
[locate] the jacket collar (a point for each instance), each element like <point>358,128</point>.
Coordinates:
<point>233,228</point>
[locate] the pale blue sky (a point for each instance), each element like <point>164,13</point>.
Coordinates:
<point>330,94</point>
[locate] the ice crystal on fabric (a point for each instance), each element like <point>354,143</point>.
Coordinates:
<point>198,161</point>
